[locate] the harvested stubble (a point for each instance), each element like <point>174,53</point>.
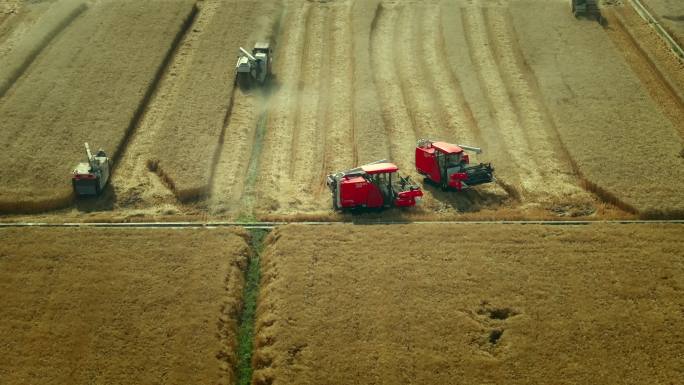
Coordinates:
<point>622,146</point>
<point>471,304</point>
<point>88,85</point>
<point>83,306</point>
<point>192,132</point>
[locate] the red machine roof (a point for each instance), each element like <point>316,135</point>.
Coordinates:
<point>447,147</point>
<point>378,168</point>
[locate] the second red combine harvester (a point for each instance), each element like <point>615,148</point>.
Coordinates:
<point>449,166</point>
<point>374,185</point>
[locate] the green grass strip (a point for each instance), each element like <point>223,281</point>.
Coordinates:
<point>249,298</point>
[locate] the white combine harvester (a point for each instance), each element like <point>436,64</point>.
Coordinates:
<point>90,178</point>
<point>254,67</point>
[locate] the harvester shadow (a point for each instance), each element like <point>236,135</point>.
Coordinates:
<point>269,88</point>
<point>103,202</point>
<point>467,201</point>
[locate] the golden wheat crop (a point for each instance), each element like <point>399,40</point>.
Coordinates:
<point>119,306</point>
<point>89,85</point>
<point>470,304</point>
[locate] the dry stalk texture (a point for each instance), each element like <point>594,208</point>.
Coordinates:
<point>83,306</point>
<point>471,304</point>
<point>27,45</point>
<point>89,85</point>
<point>624,148</point>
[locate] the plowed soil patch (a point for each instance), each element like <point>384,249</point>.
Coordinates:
<point>471,304</point>
<point>84,306</point>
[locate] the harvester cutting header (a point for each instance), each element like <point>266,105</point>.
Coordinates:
<point>449,166</point>
<point>90,178</point>
<point>374,185</point>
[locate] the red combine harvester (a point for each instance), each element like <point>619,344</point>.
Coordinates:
<point>373,185</point>
<point>449,166</point>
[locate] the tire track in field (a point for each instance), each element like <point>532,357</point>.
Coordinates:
<point>276,156</point>
<point>510,128</point>
<point>544,146</point>
<point>308,139</point>
<point>398,123</point>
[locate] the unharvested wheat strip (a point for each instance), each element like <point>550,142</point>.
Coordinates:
<point>340,139</point>
<point>408,40</point>
<point>29,44</point>
<point>132,173</point>
<point>188,142</point>
<point>507,120</point>
<point>460,62</point>
<point>458,121</point>
<point>307,143</point>
<point>394,112</point>
<point>282,114</point>
<point>371,137</point>
<point>58,103</point>
<point>544,149</point>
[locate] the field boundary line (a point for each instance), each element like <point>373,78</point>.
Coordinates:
<point>655,24</point>
<point>270,225</point>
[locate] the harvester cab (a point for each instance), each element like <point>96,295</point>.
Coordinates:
<point>374,185</point>
<point>588,9</point>
<point>448,165</point>
<point>90,178</point>
<point>254,67</point>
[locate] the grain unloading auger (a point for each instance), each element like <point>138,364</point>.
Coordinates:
<point>255,67</point>
<point>449,166</point>
<point>90,178</point>
<point>374,185</point>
